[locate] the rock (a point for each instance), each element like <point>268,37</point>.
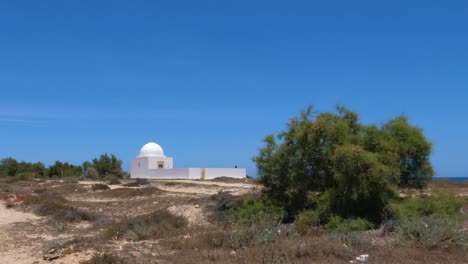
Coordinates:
<point>233,253</point>
<point>363,258</point>
<point>51,257</point>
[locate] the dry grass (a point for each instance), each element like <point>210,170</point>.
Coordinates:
<point>56,207</point>
<point>140,230</point>
<point>158,224</point>
<point>128,192</point>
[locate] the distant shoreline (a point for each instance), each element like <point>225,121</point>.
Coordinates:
<point>454,179</point>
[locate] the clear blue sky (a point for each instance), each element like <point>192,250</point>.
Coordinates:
<point>207,80</point>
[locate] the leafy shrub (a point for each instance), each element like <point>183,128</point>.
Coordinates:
<point>244,210</point>
<point>100,187</point>
<point>431,231</point>
<point>253,210</point>
<point>345,225</point>
<point>441,203</point>
<point>106,259</point>
<point>114,180</point>
<point>308,217</point>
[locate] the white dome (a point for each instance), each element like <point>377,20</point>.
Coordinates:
<point>151,150</point>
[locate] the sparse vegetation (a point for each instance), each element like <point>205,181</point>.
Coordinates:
<point>106,259</point>
<point>100,187</point>
<point>440,203</point>
<point>431,231</point>
<point>55,206</point>
<point>138,182</point>
<point>157,224</point>
<point>243,228</point>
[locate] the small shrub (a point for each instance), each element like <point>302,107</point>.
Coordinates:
<point>20,177</point>
<point>7,188</point>
<point>244,210</point>
<point>253,210</point>
<point>100,187</point>
<point>441,203</point>
<point>353,238</point>
<point>114,180</point>
<point>55,206</point>
<point>158,224</point>
<point>345,225</point>
<point>70,180</point>
<point>139,231</point>
<point>239,238</point>
<point>106,259</point>
<point>431,231</point>
<point>40,190</point>
<point>137,182</point>
<point>308,217</point>
<point>72,214</point>
<point>91,173</point>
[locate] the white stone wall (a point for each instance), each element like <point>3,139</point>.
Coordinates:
<point>211,173</point>
<point>188,173</point>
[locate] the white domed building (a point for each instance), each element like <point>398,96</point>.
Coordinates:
<point>152,163</point>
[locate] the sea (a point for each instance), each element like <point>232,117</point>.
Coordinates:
<point>456,179</point>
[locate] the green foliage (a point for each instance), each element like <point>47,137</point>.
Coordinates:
<point>431,231</point>
<point>64,169</point>
<point>244,210</point>
<point>346,225</point>
<point>108,165</point>
<point>253,210</point>
<point>10,167</point>
<point>308,217</point>
<point>413,151</point>
<point>358,166</point>
<point>442,203</point>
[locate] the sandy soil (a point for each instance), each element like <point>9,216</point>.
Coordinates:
<point>27,238</point>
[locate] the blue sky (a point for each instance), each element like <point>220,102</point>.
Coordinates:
<point>207,80</point>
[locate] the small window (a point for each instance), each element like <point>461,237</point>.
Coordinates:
<point>160,164</point>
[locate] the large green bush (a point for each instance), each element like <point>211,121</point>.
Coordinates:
<point>359,166</point>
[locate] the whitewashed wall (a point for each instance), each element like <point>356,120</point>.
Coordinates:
<point>211,173</point>
<point>185,173</point>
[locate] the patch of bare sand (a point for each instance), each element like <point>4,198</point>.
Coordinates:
<point>193,214</point>
<point>205,188</point>
<point>9,251</point>
<point>9,216</point>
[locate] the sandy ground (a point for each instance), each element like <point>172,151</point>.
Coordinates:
<point>26,238</point>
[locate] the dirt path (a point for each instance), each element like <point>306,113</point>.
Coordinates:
<point>9,251</point>
<point>8,216</point>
